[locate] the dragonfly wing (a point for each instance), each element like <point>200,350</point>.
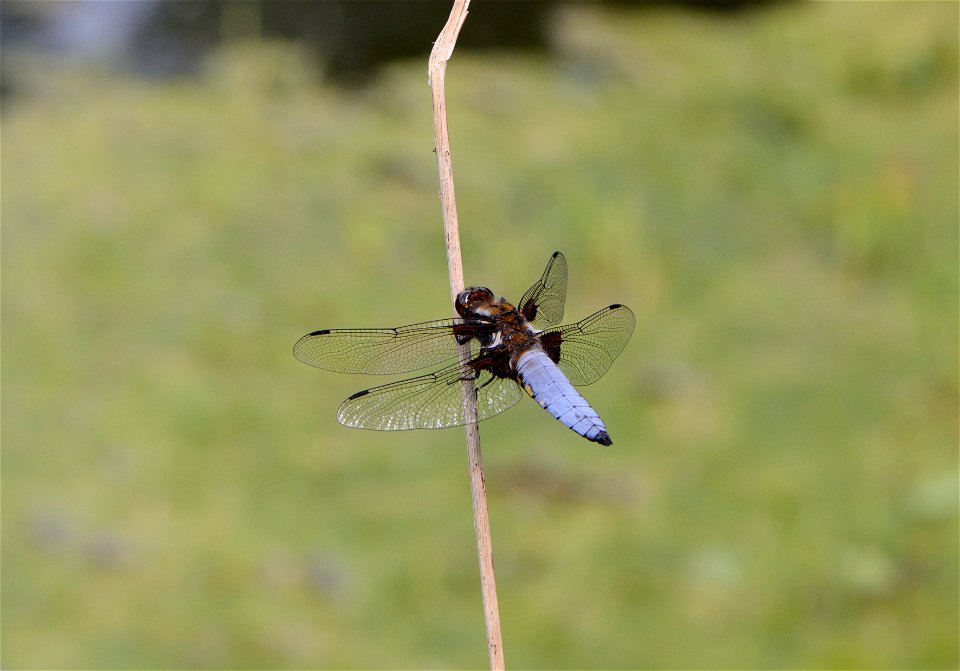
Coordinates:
<point>585,350</point>
<point>432,401</point>
<point>542,305</point>
<point>382,351</point>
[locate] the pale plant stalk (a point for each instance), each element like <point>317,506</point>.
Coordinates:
<point>442,50</point>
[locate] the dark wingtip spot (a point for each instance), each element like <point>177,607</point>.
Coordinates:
<point>555,255</point>
<point>603,438</point>
<point>358,394</point>
<point>320,332</point>
<point>615,306</point>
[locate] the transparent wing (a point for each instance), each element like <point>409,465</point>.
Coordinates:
<point>585,350</point>
<point>432,401</point>
<point>542,305</point>
<point>384,351</point>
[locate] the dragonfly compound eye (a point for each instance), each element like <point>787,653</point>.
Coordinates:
<point>473,300</point>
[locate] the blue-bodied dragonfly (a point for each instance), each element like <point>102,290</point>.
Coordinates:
<point>511,349</point>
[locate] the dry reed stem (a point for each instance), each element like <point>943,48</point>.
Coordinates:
<point>441,53</point>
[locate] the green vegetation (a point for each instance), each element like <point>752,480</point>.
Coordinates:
<point>774,195</point>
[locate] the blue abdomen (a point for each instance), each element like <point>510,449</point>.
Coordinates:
<point>546,383</point>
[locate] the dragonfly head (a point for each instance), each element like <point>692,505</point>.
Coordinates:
<point>475,302</point>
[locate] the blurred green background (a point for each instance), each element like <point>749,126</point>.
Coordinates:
<point>774,194</point>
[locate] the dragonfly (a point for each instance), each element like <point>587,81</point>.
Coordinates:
<point>512,350</point>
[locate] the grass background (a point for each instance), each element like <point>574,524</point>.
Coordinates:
<point>774,195</point>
